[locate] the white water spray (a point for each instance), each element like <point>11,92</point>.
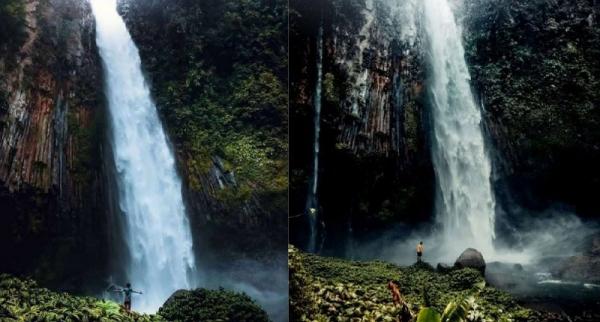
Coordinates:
<point>157,230</point>
<point>465,202</point>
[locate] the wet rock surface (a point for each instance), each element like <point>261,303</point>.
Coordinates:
<point>51,187</point>
<point>375,166</point>
<point>534,66</point>
<point>471,258</point>
<point>218,74</point>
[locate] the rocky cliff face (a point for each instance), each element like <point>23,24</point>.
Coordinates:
<point>218,73</point>
<point>50,142</point>
<point>57,207</point>
<point>534,67</point>
<point>374,152</point>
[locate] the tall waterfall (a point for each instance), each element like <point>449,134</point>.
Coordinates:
<point>465,202</point>
<point>158,235</point>
<point>312,204</point>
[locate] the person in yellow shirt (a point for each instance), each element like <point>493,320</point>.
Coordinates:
<point>420,249</point>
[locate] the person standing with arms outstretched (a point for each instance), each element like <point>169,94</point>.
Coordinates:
<point>420,249</point>
<point>127,291</point>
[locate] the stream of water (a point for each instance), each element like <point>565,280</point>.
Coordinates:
<point>158,234</point>
<point>465,202</point>
<point>312,205</point>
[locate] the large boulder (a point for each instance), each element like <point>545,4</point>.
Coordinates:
<point>471,258</point>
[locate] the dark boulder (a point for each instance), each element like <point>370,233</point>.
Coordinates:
<point>443,268</point>
<point>423,265</point>
<point>471,258</point>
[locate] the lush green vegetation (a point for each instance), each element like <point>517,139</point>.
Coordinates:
<point>323,288</point>
<point>24,300</point>
<point>219,75</point>
<point>211,305</point>
<point>535,65</point>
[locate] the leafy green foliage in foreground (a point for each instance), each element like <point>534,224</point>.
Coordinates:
<point>329,289</point>
<point>211,305</point>
<point>24,300</point>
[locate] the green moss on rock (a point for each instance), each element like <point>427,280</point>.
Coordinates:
<point>211,305</point>
<point>218,73</point>
<point>535,65</point>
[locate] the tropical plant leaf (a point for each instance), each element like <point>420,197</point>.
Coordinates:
<point>455,312</point>
<point>429,315</point>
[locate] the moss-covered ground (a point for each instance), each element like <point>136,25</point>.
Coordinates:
<point>22,300</point>
<point>330,289</point>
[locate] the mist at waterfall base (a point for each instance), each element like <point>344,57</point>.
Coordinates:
<point>528,240</point>
<point>264,282</point>
<point>528,250</point>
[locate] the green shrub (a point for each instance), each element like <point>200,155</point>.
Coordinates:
<point>300,288</point>
<point>24,300</point>
<point>211,305</point>
<point>326,289</point>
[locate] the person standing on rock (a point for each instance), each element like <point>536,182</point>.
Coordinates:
<point>420,249</point>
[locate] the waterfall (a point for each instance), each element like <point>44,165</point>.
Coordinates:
<point>312,204</point>
<point>465,202</point>
<point>158,234</point>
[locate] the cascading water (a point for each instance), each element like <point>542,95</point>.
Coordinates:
<point>158,235</point>
<point>312,205</point>
<point>465,202</point>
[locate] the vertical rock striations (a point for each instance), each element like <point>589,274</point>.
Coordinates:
<point>534,68</point>
<point>50,187</point>
<point>373,123</point>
